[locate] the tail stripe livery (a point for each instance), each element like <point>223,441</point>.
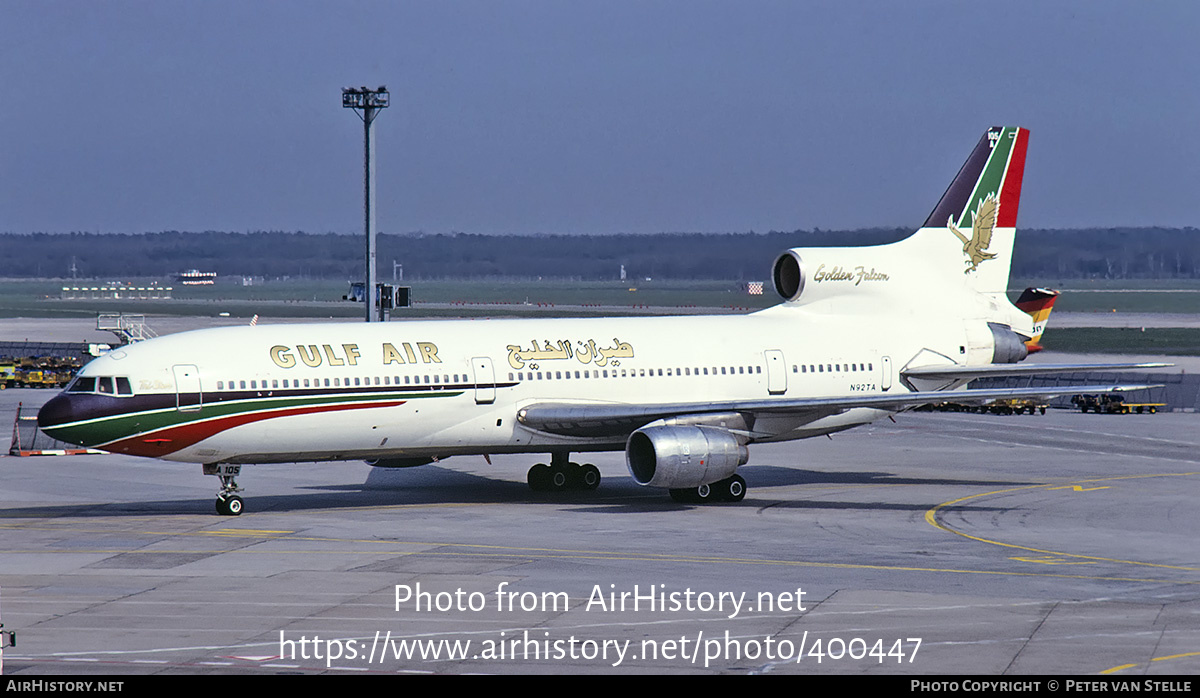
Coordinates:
<point>1010,195</point>
<point>996,167</point>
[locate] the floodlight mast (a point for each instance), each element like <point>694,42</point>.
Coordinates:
<point>366,103</point>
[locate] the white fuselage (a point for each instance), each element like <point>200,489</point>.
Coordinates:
<point>473,376</point>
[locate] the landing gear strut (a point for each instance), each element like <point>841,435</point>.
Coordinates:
<point>731,489</point>
<point>228,503</point>
<point>563,475</point>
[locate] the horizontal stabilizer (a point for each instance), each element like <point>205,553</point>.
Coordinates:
<point>1000,370</point>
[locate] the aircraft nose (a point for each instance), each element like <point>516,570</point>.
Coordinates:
<point>60,410</point>
<point>56,411</point>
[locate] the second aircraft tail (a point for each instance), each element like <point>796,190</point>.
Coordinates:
<point>1037,303</point>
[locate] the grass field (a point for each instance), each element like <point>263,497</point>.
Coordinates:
<point>1108,284</point>
<point>1124,296</point>
<point>1131,301</point>
<point>1169,341</point>
<point>322,298</point>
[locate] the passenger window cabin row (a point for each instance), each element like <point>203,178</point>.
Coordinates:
<point>119,385</point>
<point>832,368</point>
<point>339,382</point>
<point>632,373</point>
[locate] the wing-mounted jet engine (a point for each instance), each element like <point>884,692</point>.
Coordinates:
<point>694,457</point>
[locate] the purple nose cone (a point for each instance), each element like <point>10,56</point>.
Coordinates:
<point>58,411</point>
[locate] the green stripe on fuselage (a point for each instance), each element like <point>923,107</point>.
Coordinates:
<point>104,430</point>
<point>992,177</point>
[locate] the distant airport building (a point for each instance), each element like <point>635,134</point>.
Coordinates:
<point>194,277</point>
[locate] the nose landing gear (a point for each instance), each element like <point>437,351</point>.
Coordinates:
<point>229,505</point>
<point>228,502</point>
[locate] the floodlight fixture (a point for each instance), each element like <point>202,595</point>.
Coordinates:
<point>365,99</point>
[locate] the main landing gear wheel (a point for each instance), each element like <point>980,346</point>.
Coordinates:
<point>731,489</point>
<point>694,495</point>
<point>538,477</point>
<point>589,476</point>
<point>559,478</point>
<point>562,476</point>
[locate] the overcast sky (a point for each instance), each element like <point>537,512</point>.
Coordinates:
<point>588,117</point>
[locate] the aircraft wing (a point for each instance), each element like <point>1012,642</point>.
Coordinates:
<point>617,419</point>
<point>992,370</point>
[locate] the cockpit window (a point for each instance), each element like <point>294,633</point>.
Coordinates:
<point>104,385</point>
<point>82,384</point>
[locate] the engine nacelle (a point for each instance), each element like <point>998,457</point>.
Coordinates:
<point>812,273</point>
<point>788,275</point>
<point>398,462</point>
<point>683,456</point>
<point>1008,347</point>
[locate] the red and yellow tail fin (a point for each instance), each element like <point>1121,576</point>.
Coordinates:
<point>1037,303</point>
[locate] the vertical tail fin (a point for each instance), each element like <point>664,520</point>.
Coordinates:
<point>964,248</point>
<point>979,209</point>
<point>1037,303</point>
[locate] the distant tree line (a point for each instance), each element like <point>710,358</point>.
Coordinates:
<point>1119,253</point>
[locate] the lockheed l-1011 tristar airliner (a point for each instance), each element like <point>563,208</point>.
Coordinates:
<point>862,333</point>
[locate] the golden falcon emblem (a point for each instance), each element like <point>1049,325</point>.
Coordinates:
<point>982,223</point>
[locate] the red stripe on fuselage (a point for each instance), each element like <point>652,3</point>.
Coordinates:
<point>1010,196</point>
<point>166,441</point>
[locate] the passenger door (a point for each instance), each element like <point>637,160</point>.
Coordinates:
<point>776,372</point>
<point>188,397</point>
<point>485,380</point>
